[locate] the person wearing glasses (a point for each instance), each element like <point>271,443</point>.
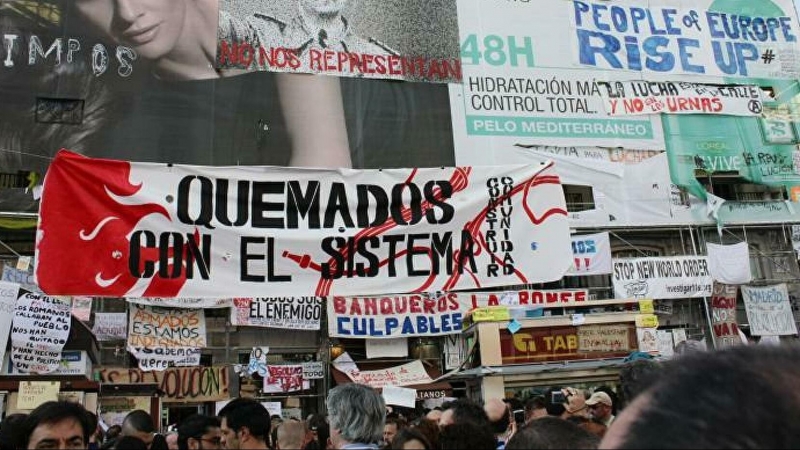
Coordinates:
<point>199,432</point>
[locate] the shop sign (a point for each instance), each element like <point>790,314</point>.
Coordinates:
<point>560,343</point>
<point>427,395</point>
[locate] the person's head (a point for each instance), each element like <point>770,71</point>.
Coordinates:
<point>198,432</point>
<point>410,439</point>
<point>535,408</point>
<point>12,433</point>
<point>244,423</point>
<point>555,401</point>
<point>574,403</point>
<point>129,443</point>
<point>391,427</point>
<point>463,410</point>
<point>592,425</point>
<point>172,440</point>
<point>552,433</point>
<point>612,395</point>
<point>636,376</point>
<point>498,414</point>
<point>467,436</point>
<point>690,405</point>
<point>320,431</point>
<point>356,414</point>
<point>57,425</point>
<point>600,405</point>
<point>322,7</point>
<point>113,431</point>
<point>435,414</point>
<point>429,429</point>
<point>291,434</point>
<point>153,28</point>
<point>139,424</point>
<point>159,442</point>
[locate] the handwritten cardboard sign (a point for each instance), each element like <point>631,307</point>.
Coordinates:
<point>8,298</point>
<point>39,332</point>
<point>287,378</point>
<point>34,393</point>
<point>403,375</point>
<point>151,327</point>
<point>110,326</point>
<point>768,310</point>
<point>603,338</point>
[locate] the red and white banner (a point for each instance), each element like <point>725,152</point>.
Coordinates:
<point>431,314</point>
<point>403,375</point>
<point>286,378</point>
<point>124,229</point>
<point>294,313</point>
<point>630,98</point>
<point>723,315</point>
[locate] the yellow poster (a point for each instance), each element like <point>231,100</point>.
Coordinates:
<point>646,321</point>
<point>646,306</point>
<point>34,393</point>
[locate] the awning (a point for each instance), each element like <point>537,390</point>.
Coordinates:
<point>437,389</point>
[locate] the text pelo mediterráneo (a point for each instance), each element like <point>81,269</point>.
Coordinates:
<point>217,203</point>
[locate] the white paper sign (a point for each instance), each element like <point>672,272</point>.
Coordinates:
<point>662,277</point>
<point>258,361</point>
<point>648,340</point>
<point>39,332</point>
<point>293,313</point>
<point>110,326</point>
<point>151,326</point>
<point>313,370</point>
<point>162,358</point>
<point>591,254</point>
<point>273,408</point>
<point>768,310</point>
<point>665,344</point>
<point>387,348</point>
<point>399,396</point>
<point>8,299</point>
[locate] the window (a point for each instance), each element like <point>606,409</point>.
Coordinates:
<point>578,197</point>
<point>731,186</point>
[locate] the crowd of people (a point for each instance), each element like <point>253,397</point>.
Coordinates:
<point>702,400</point>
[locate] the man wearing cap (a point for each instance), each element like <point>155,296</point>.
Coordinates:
<point>600,406</point>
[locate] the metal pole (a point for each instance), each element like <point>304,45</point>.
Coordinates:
<point>705,299</point>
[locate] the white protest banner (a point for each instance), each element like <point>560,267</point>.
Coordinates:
<point>401,41</point>
<point>82,308</point>
<point>387,348</point>
<point>110,326</point>
<point>403,375</point>
<point>399,396</point>
<point>258,361</point>
<point>429,314</point>
<point>729,264</point>
<point>286,378</point>
<point>196,303</point>
<point>39,332</point>
<point>768,310</point>
<point>34,393</point>
<point>723,315</point>
<point>294,313</point>
<point>666,346</point>
<point>295,231</point>
<point>8,298</point>
<point>313,370</point>
<point>591,254</point>
<point>661,277</point>
<point>150,326</point>
<point>162,358</point>
<point>603,338</point>
<point>629,98</point>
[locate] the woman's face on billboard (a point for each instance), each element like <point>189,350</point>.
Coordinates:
<point>151,27</point>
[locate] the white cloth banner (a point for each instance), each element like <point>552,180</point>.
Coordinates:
<point>630,98</point>
<point>729,264</point>
<point>294,313</point>
<point>219,232</point>
<point>110,326</point>
<point>152,327</point>
<point>39,332</point>
<point>162,358</point>
<point>404,375</point>
<point>197,303</point>
<point>661,277</point>
<point>591,254</point>
<point>769,312</point>
<point>8,299</point>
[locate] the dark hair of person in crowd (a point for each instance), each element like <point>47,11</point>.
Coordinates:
<point>318,425</point>
<point>159,442</point>
<point>741,397</point>
<point>12,433</point>
<point>247,413</point>
<point>429,429</point>
<point>466,410</point>
<point>592,425</point>
<point>113,431</point>
<point>193,427</point>
<point>55,412</point>
<point>407,435</point>
<point>553,408</point>
<point>635,377</point>
<point>467,436</point>
<point>139,420</point>
<point>552,433</point>
<point>129,443</point>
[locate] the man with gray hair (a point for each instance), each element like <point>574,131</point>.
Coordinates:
<point>357,414</point>
<point>291,434</point>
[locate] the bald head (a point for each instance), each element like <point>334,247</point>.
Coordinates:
<point>495,409</point>
<point>291,434</point>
